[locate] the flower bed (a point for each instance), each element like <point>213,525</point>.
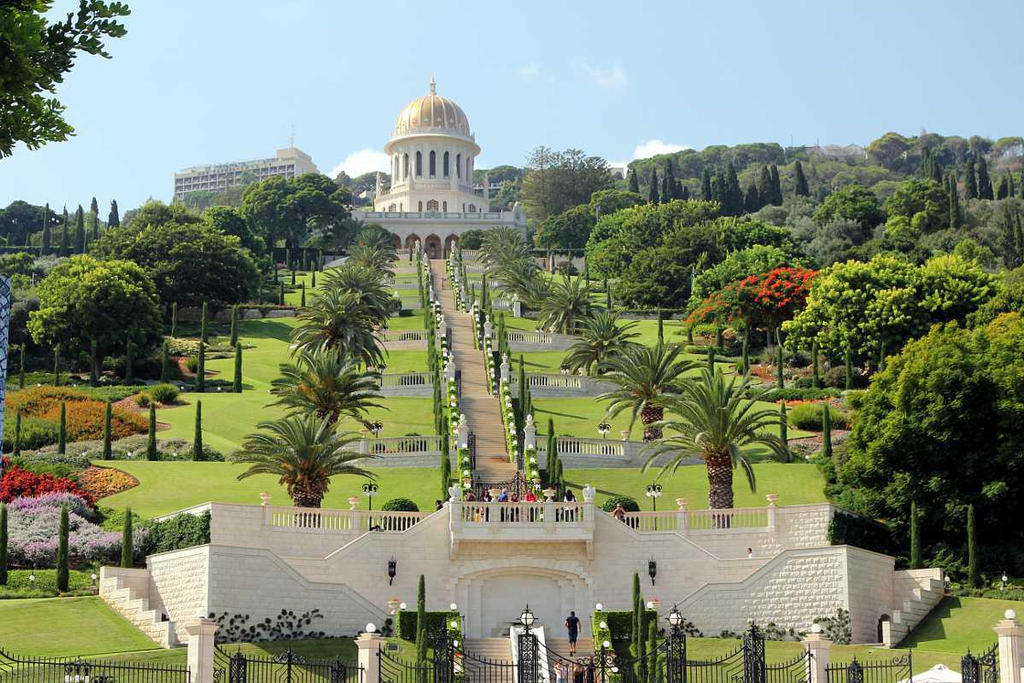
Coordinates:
<point>18,482</point>
<point>85,415</point>
<point>100,482</point>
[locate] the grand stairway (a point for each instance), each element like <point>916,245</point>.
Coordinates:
<point>482,410</point>
<point>134,607</point>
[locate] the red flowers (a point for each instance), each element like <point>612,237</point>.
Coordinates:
<point>21,483</point>
<point>760,300</point>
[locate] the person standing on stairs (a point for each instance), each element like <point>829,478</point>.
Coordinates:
<point>572,625</point>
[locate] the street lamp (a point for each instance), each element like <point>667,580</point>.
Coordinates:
<point>675,618</point>
<point>376,428</point>
<point>526,618</point>
<point>603,429</point>
<point>370,490</point>
<point>1002,587</point>
<point>654,492</point>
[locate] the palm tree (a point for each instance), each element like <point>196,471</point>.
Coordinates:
<point>366,284</point>
<point>600,338</point>
<point>376,256</point>
<point>714,421</point>
<point>327,385</point>
<point>304,453</point>
<point>338,321</point>
<point>567,302</point>
<point>646,376</point>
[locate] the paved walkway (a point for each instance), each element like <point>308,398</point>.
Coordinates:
<point>482,410</point>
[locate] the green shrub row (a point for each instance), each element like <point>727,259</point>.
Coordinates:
<point>620,623</point>
<point>406,621</point>
<point>809,415</point>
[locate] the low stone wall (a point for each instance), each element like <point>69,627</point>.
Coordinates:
<point>556,385</point>
<point>538,341</point>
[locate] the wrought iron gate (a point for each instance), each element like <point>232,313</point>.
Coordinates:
<point>879,671</point>
<point>983,668</point>
<point>517,486</point>
<point>63,669</point>
<point>283,667</point>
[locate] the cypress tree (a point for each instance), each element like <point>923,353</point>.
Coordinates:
<point>302,300</point>
<point>65,237</point>
<point>733,193</point>
<point>79,230</point>
<point>970,181</point>
<point>113,218</point>
<point>652,191</point>
<point>94,226</point>
<point>848,367</point>
<point>281,293</point>
<point>719,342</point>
<point>653,672</point>
<point>671,187</point>
<point>56,366</point>
<point>666,188</point>
<point>197,436</point>
<point>47,239</point>
<point>955,217</point>
<point>705,185</point>
<point>1003,189</point>
<point>62,436</point>
<point>552,460</point>
<point>972,548</point>
<point>776,186</point>
<point>815,367</point>
<point>745,360</point>
<point>293,276</point>
<point>94,206</point>
<point>174,319</point>
<point>234,325</point>
<point>151,434</point>
<point>752,201</point>
<point>780,379</point>
<point>313,283</point>
<point>711,360</point>
<point>915,537</point>
<point>3,544</point>
<point>446,464</point>
<point>661,326</point>
<point>641,650</point>
<point>201,369</point>
<point>783,423</point>
<point>107,417</point>
<point>633,183</point>
<point>421,623</point>
<point>684,193</point>
<point>21,367</point>
<point>764,187</point>
<point>126,540</point>
<point>826,430</point>
<point>984,183</point>
<point>237,388</point>
<point>63,561</point>
<point>800,180</point>
<point>638,614</point>
<point>607,295</point>
<point>165,362</point>
<point>202,326</point>
<point>17,434</point>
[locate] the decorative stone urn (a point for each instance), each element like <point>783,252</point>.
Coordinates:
<point>772,498</point>
<point>549,494</point>
<point>353,502</point>
<point>681,503</point>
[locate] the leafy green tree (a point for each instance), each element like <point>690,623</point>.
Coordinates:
<point>63,559</point>
<point>567,230</point>
<point>853,203</point>
<point>800,180</point>
<point>645,378</point>
<point>557,181</point>
<point>232,221</point>
<point>924,202</point>
<point>304,453</point>
<point>307,209</point>
<point>38,53</point>
<point>83,300</point>
<point>713,419</point>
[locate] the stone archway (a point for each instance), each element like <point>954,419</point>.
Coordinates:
<point>449,243</point>
<point>411,240</point>
<point>432,246</point>
<point>396,240</point>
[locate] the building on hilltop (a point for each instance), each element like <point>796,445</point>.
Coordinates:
<point>289,163</point>
<point>431,199</point>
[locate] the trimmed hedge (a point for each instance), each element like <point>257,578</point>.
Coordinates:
<point>809,415</point>
<point>620,623</point>
<point>628,503</point>
<point>180,531</point>
<point>400,505</point>
<point>406,622</point>
<point>847,528</point>
<point>796,394</point>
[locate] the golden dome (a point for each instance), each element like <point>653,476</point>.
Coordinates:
<point>432,114</point>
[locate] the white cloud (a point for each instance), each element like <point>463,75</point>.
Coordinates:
<point>363,161</point>
<point>652,148</point>
<point>612,78</point>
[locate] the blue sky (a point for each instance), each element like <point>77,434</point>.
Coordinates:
<point>199,81</point>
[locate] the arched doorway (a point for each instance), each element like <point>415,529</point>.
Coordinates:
<point>396,240</point>
<point>449,243</point>
<point>411,240</point>
<point>432,246</point>
<point>883,628</point>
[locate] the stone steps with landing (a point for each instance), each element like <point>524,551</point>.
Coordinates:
<point>482,410</point>
<point>559,645</point>
<point>917,595</point>
<point>135,608</point>
<point>498,650</point>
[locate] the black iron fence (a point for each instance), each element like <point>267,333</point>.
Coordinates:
<point>15,669</point>
<point>897,668</point>
<point>983,668</point>
<point>284,667</point>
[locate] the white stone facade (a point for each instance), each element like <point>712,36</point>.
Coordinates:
<point>770,564</point>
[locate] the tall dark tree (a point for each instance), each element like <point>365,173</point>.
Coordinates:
<point>151,453</point>
<point>47,240</point>
<point>984,182</point>
<point>752,200</point>
<point>65,235</point>
<point>632,183</point>
<point>63,559</point>
<point>237,387</point>
<point>705,185</point>
<point>114,217</point>
<point>764,187</point>
<point>776,199</point>
<point>201,368</point>
<point>955,216</point>
<point>79,230</point>
<point>652,192</point>
<point>971,181</point>
<point>107,452</point>
<point>667,192</point>
<point>197,436</point>
<point>3,544</point>
<point>672,187</point>
<point>800,180</point>
<point>126,540</point>
<point>684,193</point>
<point>733,192</point>
<point>1003,188</point>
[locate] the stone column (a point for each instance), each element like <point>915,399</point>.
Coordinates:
<point>487,327</point>
<point>1011,648</point>
<point>504,368</point>
<point>201,632</point>
<point>820,648</point>
<point>462,432</point>
<point>369,646</point>
<point>529,432</point>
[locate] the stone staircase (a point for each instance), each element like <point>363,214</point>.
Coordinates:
<point>130,604</point>
<point>483,413</point>
<point>917,592</point>
<point>559,645</point>
<point>493,650</point>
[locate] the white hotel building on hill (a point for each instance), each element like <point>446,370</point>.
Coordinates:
<point>289,162</point>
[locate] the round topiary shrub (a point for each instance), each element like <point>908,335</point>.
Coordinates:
<point>628,504</point>
<point>400,505</point>
<point>163,393</point>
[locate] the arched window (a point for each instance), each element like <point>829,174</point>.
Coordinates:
<point>445,164</point>
<point>444,204</point>
<point>392,207</point>
<point>433,163</point>
<point>420,209</point>
<point>463,207</point>
<point>419,164</point>
<point>431,205</point>
<point>458,165</point>
<point>394,168</point>
<point>405,166</point>
<point>472,208</point>
<point>469,169</point>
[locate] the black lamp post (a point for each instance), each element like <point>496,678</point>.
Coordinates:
<point>370,490</point>
<point>652,569</point>
<point>376,428</point>
<point>654,492</point>
<point>603,429</point>
<point>526,618</point>
<point>392,571</point>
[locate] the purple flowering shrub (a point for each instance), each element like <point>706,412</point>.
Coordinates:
<point>33,525</point>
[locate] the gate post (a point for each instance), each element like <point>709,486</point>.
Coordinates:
<point>369,661</point>
<point>819,648</point>
<point>1011,648</point>
<point>201,633</point>
<point>753,656</point>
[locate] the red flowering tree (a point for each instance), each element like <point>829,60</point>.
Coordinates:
<point>762,301</point>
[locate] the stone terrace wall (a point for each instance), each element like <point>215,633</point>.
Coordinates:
<point>870,591</point>
<point>178,585</point>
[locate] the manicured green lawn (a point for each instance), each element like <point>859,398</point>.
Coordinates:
<point>65,626</point>
<point>796,484</point>
<point>959,624</point>
<point>168,486</point>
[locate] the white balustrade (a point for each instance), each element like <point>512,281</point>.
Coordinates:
<point>741,520</point>
<point>404,335</point>
<point>578,445</point>
<point>322,521</point>
<point>559,513</point>
<point>401,445</point>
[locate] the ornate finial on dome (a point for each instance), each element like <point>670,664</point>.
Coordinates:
<point>433,86</point>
